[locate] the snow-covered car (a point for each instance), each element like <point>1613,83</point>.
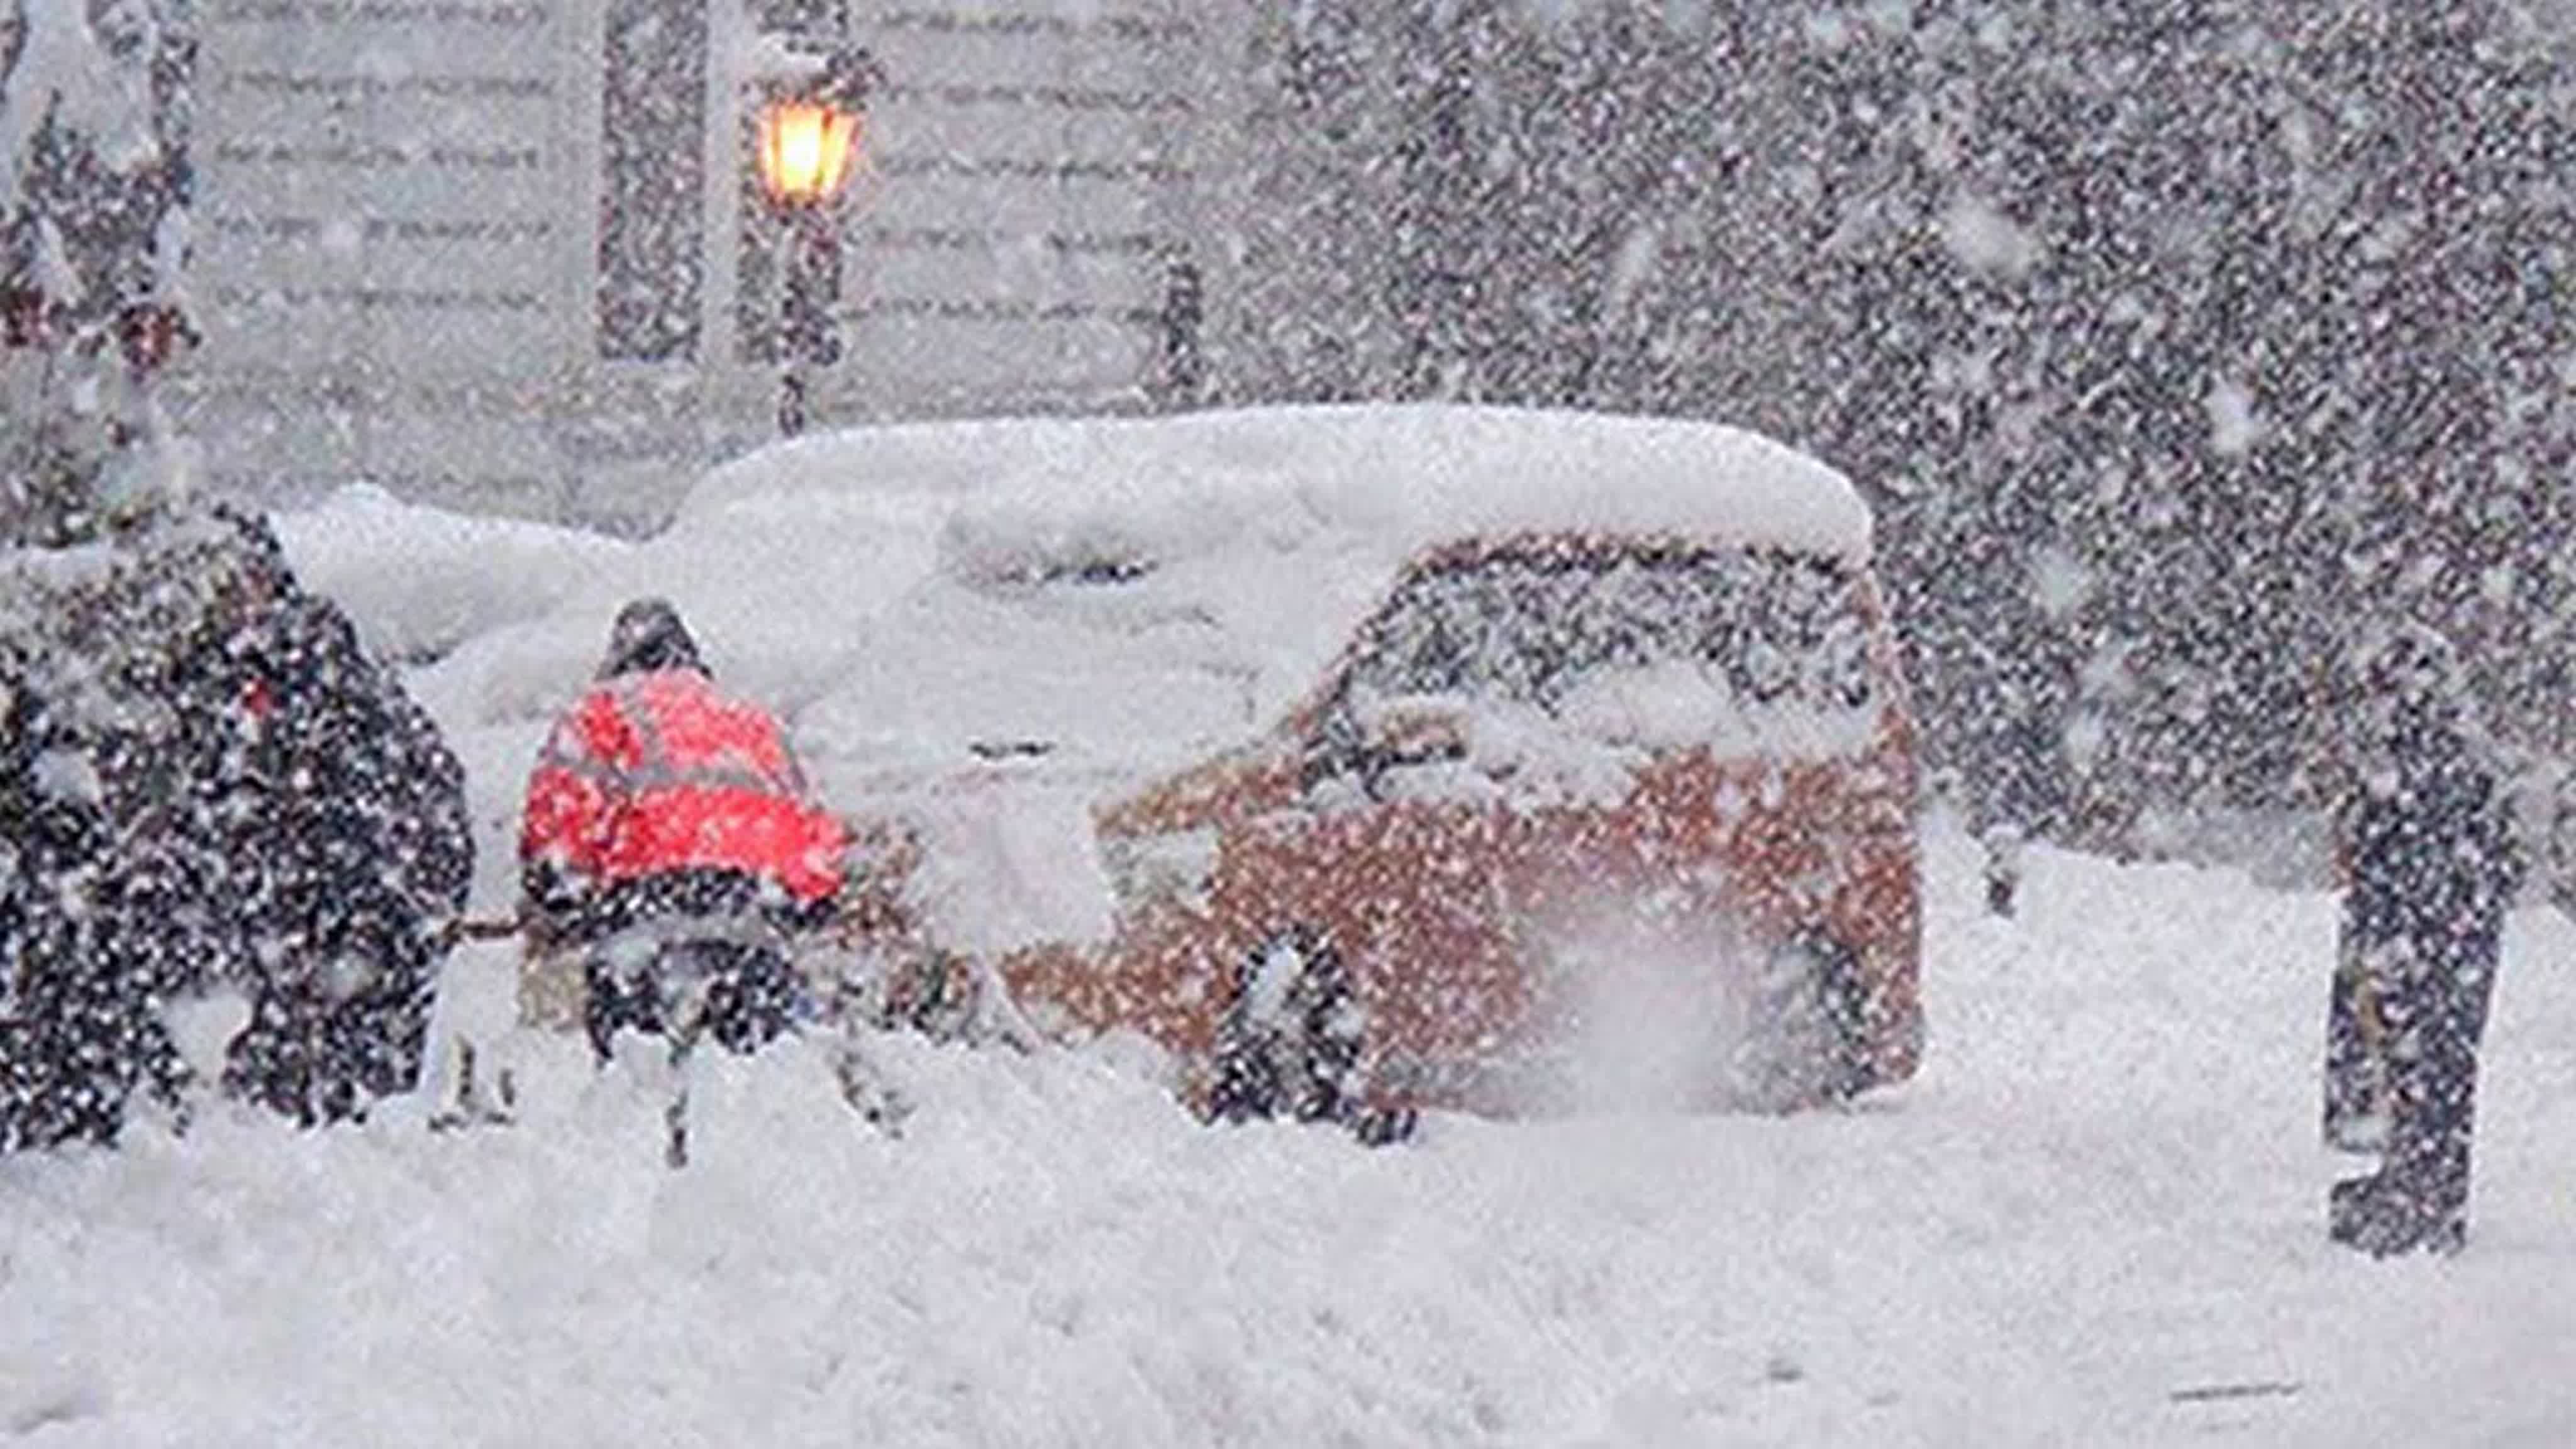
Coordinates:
<point>1611,799</point>
<point>1538,757</point>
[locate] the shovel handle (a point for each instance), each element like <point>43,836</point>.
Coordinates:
<point>491,929</point>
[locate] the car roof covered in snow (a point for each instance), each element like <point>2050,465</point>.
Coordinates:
<point>1410,475</point>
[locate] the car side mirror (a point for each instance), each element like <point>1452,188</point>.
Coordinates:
<point>1413,732</point>
<point>1363,739</point>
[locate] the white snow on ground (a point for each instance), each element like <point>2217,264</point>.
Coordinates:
<point>2095,1217</point>
<point>2101,1192</point>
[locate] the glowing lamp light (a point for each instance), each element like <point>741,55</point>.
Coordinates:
<point>805,149</point>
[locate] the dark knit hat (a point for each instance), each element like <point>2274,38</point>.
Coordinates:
<point>648,635</point>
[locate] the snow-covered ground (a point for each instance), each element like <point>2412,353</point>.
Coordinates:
<point>2094,1218</point>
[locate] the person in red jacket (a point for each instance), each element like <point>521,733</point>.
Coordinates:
<point>669,842</point>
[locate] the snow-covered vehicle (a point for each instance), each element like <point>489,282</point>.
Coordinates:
<point>1611,797</point>
<point>1571,746</point>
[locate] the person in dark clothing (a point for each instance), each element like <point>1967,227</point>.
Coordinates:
<point>2433,869</point>
<point>207,783</point>
<point>368,859</point>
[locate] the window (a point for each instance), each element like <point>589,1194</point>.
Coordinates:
<point>652,195</point>
<point>1769,626</point>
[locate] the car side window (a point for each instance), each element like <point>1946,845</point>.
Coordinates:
<point>1771,626</point>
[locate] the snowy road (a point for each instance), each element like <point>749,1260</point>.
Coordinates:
<point>2095,1219</point>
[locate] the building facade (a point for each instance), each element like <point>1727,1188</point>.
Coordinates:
<point>508,255</point>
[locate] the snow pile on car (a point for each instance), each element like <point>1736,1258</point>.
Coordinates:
<point>1212,565</point>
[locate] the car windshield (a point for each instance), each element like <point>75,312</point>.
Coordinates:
<point>1772,627</point>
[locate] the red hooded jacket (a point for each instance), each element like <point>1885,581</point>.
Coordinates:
<point>660,771</point>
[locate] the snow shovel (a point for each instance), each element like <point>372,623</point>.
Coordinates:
<point>478,928</point>
<point>470,1107</point>
<point>683,1021</point>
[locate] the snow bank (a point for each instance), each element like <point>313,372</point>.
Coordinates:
<point>782,594</point>
<point>2095,1218</point>
<point>419,581</point>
